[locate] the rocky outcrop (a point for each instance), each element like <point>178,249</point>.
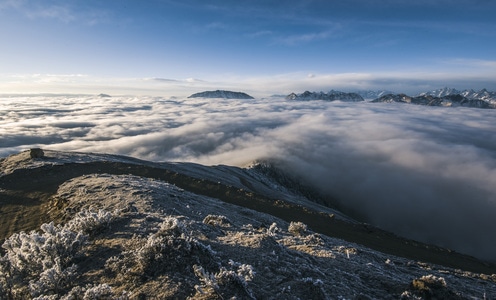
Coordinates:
<point>36,153</point>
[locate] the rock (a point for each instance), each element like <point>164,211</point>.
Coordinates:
<point>36,153</point>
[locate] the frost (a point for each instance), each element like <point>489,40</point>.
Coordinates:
<point>297,228</point>
<point>90,221</point>
<point>273,229</point>
<point>40,264</point>
<point>225,281</point>
<point>162,246</point>
<point>217,220</point>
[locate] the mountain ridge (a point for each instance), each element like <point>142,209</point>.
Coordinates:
<point>329,96</point>
<point>451,100</point>
<point>173,230</point>
<point>445,97</point>
<point>221,94</point>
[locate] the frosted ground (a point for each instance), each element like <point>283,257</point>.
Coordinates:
<point>123,236</point>
<point>422,172</point>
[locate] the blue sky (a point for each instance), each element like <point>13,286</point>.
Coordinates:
<point>276,46</point>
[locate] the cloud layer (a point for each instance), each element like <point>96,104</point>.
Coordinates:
<point>423,172</point>
<point>462,75</point>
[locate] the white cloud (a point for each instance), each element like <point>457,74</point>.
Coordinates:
<point>260,33</point>
<point>65,12</point>
<point>422,172</point>
<point>62,13</point>
<point>475,63</point>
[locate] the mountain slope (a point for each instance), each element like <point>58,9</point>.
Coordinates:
<point>173,230</point>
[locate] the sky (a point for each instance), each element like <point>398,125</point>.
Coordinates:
<point>168,47</point>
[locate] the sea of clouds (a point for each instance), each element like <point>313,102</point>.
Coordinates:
<point>427,173</point>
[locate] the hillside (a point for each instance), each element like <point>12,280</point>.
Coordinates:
<point>134,229</point>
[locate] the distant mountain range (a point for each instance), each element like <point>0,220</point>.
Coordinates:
<point>470,94</point>
<point>330,96</point>
<point>221,94</point>
<point>448,97</point>
<point>452,100</point>
<point>373,94</point>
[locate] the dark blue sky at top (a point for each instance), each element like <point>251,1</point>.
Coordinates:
<point>212,39</point>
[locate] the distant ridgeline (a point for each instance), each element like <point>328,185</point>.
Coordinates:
<point>447,97</point>
<point>331,96</point>
<point>221,94</point>
<point>449,100</point>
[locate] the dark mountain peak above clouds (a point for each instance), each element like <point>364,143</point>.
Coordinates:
<point>330,96</point>
<point>221,94</point>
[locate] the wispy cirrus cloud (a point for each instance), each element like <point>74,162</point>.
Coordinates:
<point>476,63</point>
<point>298,39</point>
<point>65,12</point>
<point>260,33</point>
<point>59,12</point>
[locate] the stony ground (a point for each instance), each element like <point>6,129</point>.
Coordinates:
<point>151,231</point>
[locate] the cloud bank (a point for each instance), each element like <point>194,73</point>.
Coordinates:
<point>426,173</point>
<point>464,75</point>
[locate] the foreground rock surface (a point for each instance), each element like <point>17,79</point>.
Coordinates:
<point>171,231</point>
